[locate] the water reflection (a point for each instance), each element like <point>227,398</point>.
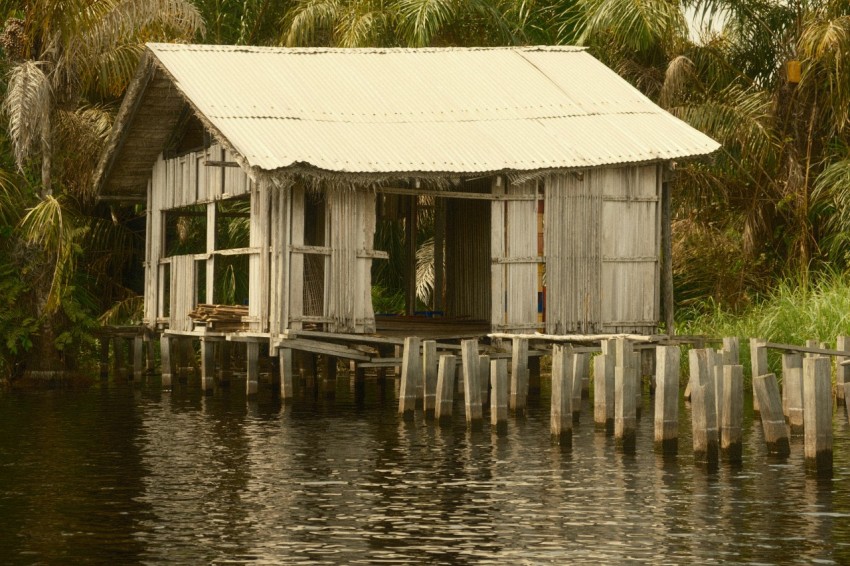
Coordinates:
<point>133,474</point>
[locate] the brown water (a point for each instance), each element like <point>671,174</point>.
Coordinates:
<point>130,474</point>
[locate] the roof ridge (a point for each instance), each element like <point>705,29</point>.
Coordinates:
<point>353,50</point>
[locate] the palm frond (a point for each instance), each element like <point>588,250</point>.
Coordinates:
<point>309,20</point>
<point>27,106</point>
<point>422,20</point>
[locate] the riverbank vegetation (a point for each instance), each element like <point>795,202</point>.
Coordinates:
<point>756,227</point>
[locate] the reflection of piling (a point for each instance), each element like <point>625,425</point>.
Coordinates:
<point>138,357</point>
<point>499,394</point>
<point>471,387</point>
<point>253,381</point>
<point>207,365</point>
<point>563,394</point>
<point>792,391</point>
<point>625,418</point>
<point>286,383</point>
<point>445,389</point>
<point>731,422</point>
<point>166,360</point>
<point>429,374</point>
<point>817,412</point>
<point>772,419</point>
<point>411,375</point>
<point>519,375</point>
<point>667,398</point>
<point>703,408</point>
<point>603,387</point>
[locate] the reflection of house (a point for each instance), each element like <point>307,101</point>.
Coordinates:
<point>320,143</point>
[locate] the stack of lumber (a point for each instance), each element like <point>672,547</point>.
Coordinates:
<point>223,318</point>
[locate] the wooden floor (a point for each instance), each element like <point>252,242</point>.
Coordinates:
<point>430,327</point>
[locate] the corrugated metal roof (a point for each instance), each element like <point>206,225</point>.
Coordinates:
<point>424,110</point>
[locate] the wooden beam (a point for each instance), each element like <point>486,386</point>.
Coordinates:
<point>452,194</point>
<point>667,258</point>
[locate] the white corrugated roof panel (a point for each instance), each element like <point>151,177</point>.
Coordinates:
<point>424,110</point>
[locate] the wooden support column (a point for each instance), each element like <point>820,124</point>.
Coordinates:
<point>667,253</point>
<point>207,365</point>
<point>731,348</point>
<point>603,387</point>
<point>842,372</point>
<point>817,411</point>
<point>580,368</point>
<point>519,374</point>
<point>430,364</point>
<point>253,368</point>
<point>792,391</point>
<point>225,363</point>
<point>445,389</point>
<point>411,375</point>
<point>138,357</point>
<point>772,419</point>
<point>287,389</point>
<point>667,398</point>
<point>166,360</point>
<point>625,416</point>
<point>638,386</point>
<point>732,421</point>
<point>758,365</point>
<point>472,389</point>
<point>563,394</point>
<point>499,395</point>
<point>703,407</point>
<point>484,378</point>
<point>149,356</point>
<point>715,358</point>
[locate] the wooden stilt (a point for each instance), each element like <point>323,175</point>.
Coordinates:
<point>817,412</point>
<point>667,398</point>
<point>638,378</point>
<point>165,360</point>
<point>499,395</point>
<point>149,356</point>
<point>715,358</point>
<point>603,387</point>
<point>792,391</point>
<point>772,419</point>
<point>703,409</point>
<point>445,389</point>
<point>225,363</point>
<point>563,394</point>
<point>430,363</point>
<point>411,375</point>
<point>625,417</point>
<point>207,365</point>
<point>484,378</point>
<point>647,367</point>
<point>472,389</point>
<point>287,389</point>
<point>758,365</point>
<point>580,368</point>
<point>842,372</point>
<point>253,368</point>
<point>731,423</point>
<point>138,357</point>
<point>519,374</point>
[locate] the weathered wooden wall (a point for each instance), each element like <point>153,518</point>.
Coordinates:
<point>468,258</point>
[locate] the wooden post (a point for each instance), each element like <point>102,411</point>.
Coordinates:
<point>580,366</point>
<point>638,378</point>
<point>563,393</point>
<point>842,372</point>
<point>817,411</point>
<point>792,391</point>
<point>772,419</point>
<point>138,357</point>
<point>667,398</point>
<point>715,358</point>
<point>253,373</point>
<point>703,408</point>
<point>731,423</point>
<point>731,348</point>
<point>499,395</point>
<point>429,363</point>
<point>149,356</point>
<point>484,378</point>
<point>411,375</point>
<point>603,387</point>
<point>287,390</point>
<point>472,389</point>
<point>445,389</point>
<point>647,367</point>
<point>667,253</point>
<point>758,365</point>
<point>519,374</point>
<point>165,360</point>
<point>225,363</point>
<point>625,417</point>
<point>207,365</point>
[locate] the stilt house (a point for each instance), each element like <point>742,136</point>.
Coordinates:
<point>541,167</point>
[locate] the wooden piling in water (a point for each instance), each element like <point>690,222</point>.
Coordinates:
<point>732,421</point>
<point>842,372</point>
<point>429,375</point>
<point>519,374</point>
<point>411,375</point>
<point>772,419</point>
<point>703,408</point>
<point>138,357</point>
<point>472,389</point>
<point>667,398</point>
<point>252,384</point>
<point>484,378</point>
<point>563,394</point>
<point>287,389</point>
<point>715,365</point>
<point>603,387</point>
<point>166,362</point>
<point>580,369</point>
<point>638,384</point>
<point>758,365</point>
<point>207,365</point>
<point>792,391</point>
<point>499,395</point>
<point>445,389</point>
<point>225,363</point>
<point>625,418</point>
<point>817,412</point>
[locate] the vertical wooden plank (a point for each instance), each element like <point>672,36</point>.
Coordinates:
<point>758,364</point>
<point>484,378</point>
<point>499,395</point>
<point>138,357</point>
<point>731,347</point>
<point>253,368</point>
<point>472,389</point>
<point>817,412</point>
<point>579,372</point>
<point>731,424</point>
<point>667,398</point>
<point>445,389</point>
<point>772,419</point>
<point>287,390</point>
<point>703,407</point>
<point>842,371</point>
<point>411,371</point>
<point>165,360</point>
<point>430,363</point>
<point>563,397</point>
<point>792,391</point>
<point>519,374</point>
<point>497,252</point>
<point>296,260</point>
<point>207,365</point>
<point>625,416</point>
<point>603,392</point>
<point>667,254</point>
